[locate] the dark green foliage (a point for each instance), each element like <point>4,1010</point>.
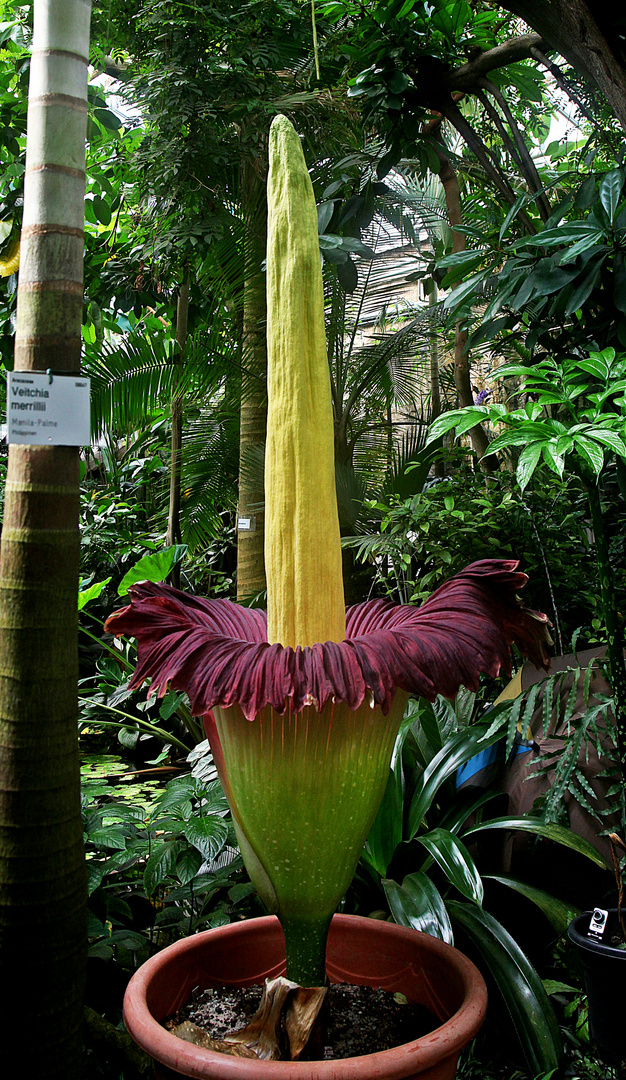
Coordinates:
<point>162,862</point>
<point>563,289</point>
<point>428,538</point>
<point>423,860</point>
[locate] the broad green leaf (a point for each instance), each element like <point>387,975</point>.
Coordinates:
<point>456,862</point>
<point>521,988</point>
<point>128,939</point>
<point>386,832</point>
<point>589,244</point>
<point>108,119</point>
<point>160,865</point>
<point>528,463</point>
<point>102,211</point>
<point>109,836</point>
<point>208,834</point>
<point>564,234</point>
<point>325,212</point>
<point>553,986</point>
<point>518,205</point>
<point>443,424</point>
<point>583,290</point>
<point>558,833</point>
<point>595,366</point>
<point>610,191</point>
<point>471,416</point>
<point>528,288</point>
<point>585,194</point>
<point>189,862</point>
<point>558,913</point>
<point>85,595</point>
<point>554,461</point>
<point>153,567</point>
<point>454,298</point>
<point>418,903</point>
<point>590,451</point>
<point>610,438</point>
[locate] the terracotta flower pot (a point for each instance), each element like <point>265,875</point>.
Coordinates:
<point>362,951</point>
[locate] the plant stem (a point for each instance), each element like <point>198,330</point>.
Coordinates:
<point>615,648</point>
<point>305,941</point>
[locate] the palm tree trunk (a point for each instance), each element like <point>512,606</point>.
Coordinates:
<point>253,408</point>
<point>173,535</point>
<point>42,869</point>
<point>478,436</point>
<point>435,391</point>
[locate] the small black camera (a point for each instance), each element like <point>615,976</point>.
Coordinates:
<point>597,923</point>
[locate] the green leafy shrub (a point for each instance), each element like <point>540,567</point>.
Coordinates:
<point>422,858</point>
<point>162,862</point>
<point>426,539</point>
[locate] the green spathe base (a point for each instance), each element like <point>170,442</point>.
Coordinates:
<point>304,789</point>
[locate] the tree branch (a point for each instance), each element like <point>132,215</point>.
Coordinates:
<point>476,145</point>
<point>527,164</point>
<point>509,52</point>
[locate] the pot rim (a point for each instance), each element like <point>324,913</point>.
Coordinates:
<point>580,939</point>
<point>402,1061</point>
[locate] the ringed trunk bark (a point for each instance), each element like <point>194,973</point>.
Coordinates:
<point>253,408</point>
<point>173,535</point>
<point>43,892</point>
<point>478,436</point>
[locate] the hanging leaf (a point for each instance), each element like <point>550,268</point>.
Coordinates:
<point>347,275</point>
<point>558,913</point>
<point>456,862</point>
<point>610,192</point>
<point>558,833</point>
<point>519,984</point>
<point>583,291</point>
<point>108,119</point>
<point>528,463</point>
<point>418,903</point>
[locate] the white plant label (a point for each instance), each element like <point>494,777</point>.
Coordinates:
<point>48,410</point>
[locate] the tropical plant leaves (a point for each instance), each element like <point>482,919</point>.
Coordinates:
<point>418,903</point>
<point>456,862</point>
<point>519,984</point>
<point>548,831</point>
<point>154,567</point>
<point>457,750</point>
<point>558,912</point>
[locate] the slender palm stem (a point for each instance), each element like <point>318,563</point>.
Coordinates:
<point>43,932</point>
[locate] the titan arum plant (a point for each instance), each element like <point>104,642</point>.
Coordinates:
<point>302,705</point>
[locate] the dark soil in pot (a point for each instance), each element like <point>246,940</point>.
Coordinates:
<point>359,1019</point>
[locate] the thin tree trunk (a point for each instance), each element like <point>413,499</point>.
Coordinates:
<point>435,393</point>
<point>42,869</point>
<point>455,117</point>
<point>450,181</point>
<point>516,144</point>
<point>253,409</point>
<point>173,535</point>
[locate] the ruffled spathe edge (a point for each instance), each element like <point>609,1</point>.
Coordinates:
<point>217,652</point>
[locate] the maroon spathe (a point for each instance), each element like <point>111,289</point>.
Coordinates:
<point>217,651</point>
